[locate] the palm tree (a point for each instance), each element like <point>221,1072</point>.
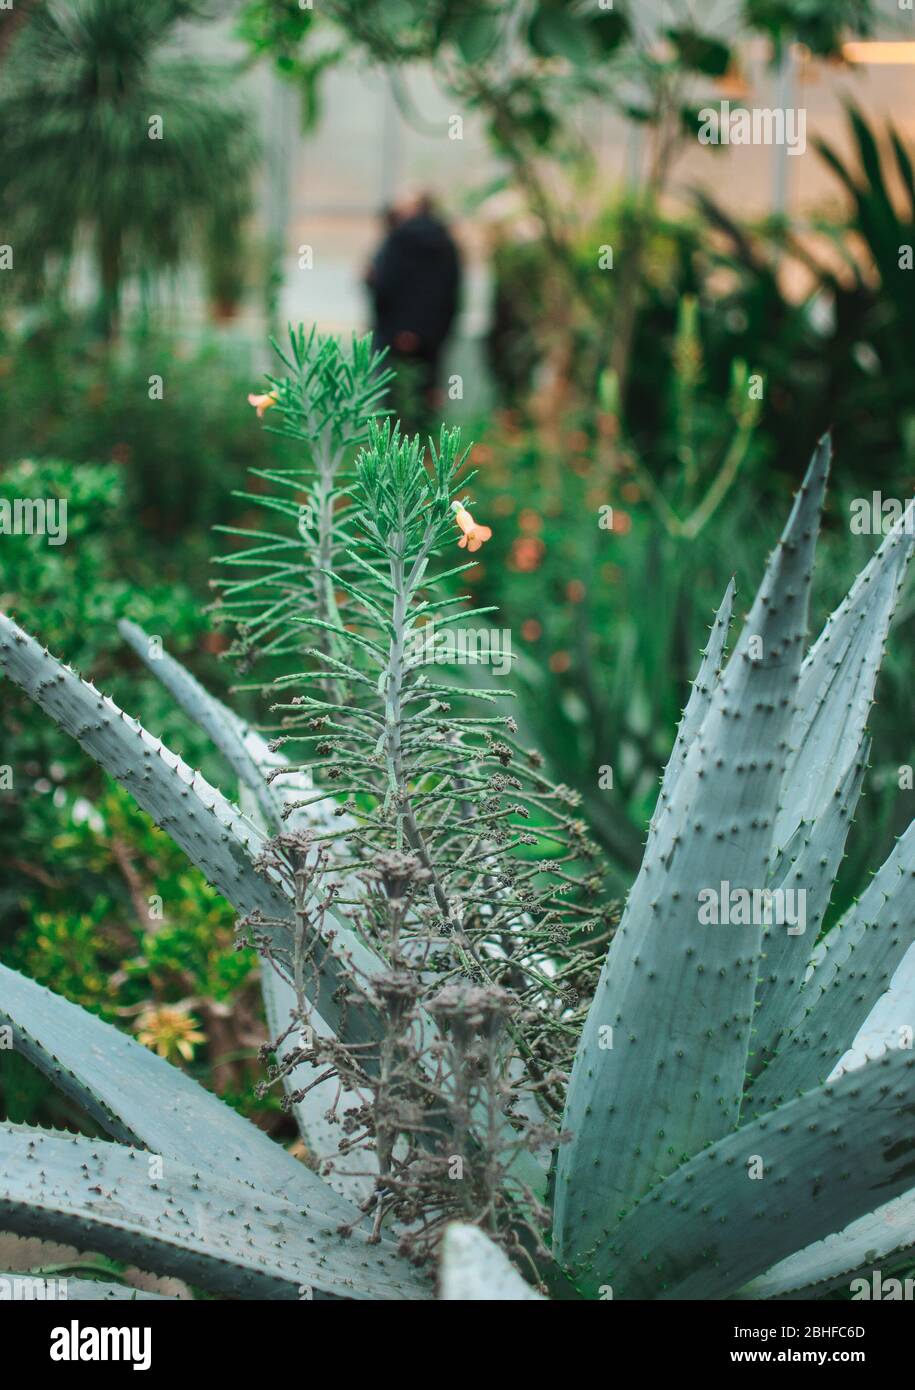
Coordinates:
<point>110,135</point>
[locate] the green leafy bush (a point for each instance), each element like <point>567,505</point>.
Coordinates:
<point>94,935</point>
<point>173,417</point>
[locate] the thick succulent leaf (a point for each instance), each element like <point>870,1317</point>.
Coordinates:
<point>827,1158</point>
<point>141,1099</point>
<point>251,758</point>
<point>246,751</point>
<point>211,831</point>
<point>223,726</point>
<point>854,969</point>
<point>34,1287</point>
<point>883,1240</point>
<point>188,1222</point>
<point>836,686</point>
<point>474,1269</point>
<point>678,993</point>
<point>809,868</point>
<point>352,1175</point>
<point>891,1022</point>
<point>699,702</point>
<point>823,776</point>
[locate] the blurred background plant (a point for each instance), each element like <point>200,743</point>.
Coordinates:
<point>84,103</point>
<point>169,414</point>
<point>141,930</point>
<point>839,354</point>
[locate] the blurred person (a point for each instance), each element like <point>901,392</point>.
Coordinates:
<point>413,282</point>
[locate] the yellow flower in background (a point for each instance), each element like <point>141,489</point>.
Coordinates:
<point>474,535</point>
<point>262,403</point>
<point>168,1030</point>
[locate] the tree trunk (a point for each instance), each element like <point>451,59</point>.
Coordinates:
<point>109,249</point>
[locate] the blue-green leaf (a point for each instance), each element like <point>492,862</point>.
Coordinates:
<point>141,1099</point>
<point>188,1221</point>
<point>790,1178</point>
<point>660,1067</point>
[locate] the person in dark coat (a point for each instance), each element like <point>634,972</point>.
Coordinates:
<point>414,282</point>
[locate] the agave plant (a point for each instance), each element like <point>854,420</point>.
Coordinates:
<point>711,1126</point>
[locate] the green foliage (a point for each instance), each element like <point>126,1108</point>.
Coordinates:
<point>80,861</point>
<point>73,592</point>
<point>81,156</point>
<point>116,949</point>
<point>836,357</point>
<point>276,28</point>
<point>73,586</point>
<point>173,419</point>
<point>820,24</point>
<point>533,308</point>
<point>281,30</point>
<point>596,50</point>
<point>699,52</point>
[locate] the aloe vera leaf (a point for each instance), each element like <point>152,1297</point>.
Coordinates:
<point>837,680</point>
<point>143,1100</point>
<point>216,1234</point>
<point>821,1161</point>
<point>810,869</point>
<point>212,832</point>
<point>34,1287</point>
<point>854,968</point>
<point>223,726</point>
<point>678,993</point>
<point>474,1269</point>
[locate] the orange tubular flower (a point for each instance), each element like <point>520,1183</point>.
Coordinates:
<point>474,535</point>
<point>262,403</point>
